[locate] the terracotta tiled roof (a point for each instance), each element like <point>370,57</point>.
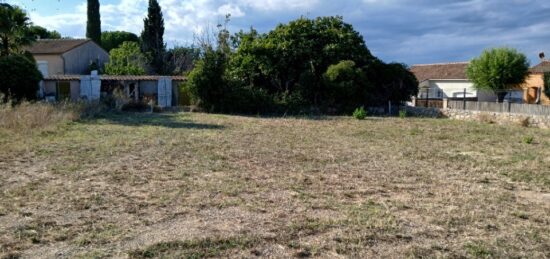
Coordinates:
<point>57,46</point>
<point>440,71</point>
<point>107,77</point>
<point>542,67</point>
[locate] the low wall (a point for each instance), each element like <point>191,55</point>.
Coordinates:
<point>537,121</point>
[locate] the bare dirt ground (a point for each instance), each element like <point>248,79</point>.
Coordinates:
<point>197,185</point>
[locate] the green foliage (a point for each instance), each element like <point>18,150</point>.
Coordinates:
<point>528,139</point>
<point>293,57</point>
<point>307,65</point>
<point>93,25</point>
<point>14,29</point>
<point>402,114</point>
<point>43,33</point>
<point>152,37</point>
<point>113,39</point>
<point>126,60</point>
<point>498,70</point>
<point>360,113</point>
<point>346,86</point>
<point>547,84</point>
<point>207,83</point>
<point>19,76</point>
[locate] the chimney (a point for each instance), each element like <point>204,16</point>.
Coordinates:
<point>542,56</point>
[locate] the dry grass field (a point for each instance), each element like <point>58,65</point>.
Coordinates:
<point>198,185</point>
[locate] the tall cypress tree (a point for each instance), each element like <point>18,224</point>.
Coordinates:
<point>152,37</point>
<point>93,26</point>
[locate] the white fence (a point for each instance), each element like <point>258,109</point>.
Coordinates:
<point>506,107</point>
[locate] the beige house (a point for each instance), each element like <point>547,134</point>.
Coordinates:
<point>534,84</point>
<point>67,56</point>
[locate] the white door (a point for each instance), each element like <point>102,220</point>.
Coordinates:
<point>164,92</point>
<point>96,88</point>
<point>85,88</point>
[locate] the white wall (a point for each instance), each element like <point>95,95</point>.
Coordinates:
<point>455,89</point>
<point>452,88</point>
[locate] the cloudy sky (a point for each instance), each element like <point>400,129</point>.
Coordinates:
<point>407,31</point>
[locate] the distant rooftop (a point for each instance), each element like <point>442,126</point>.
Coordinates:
<point>456,70</point>
<point>542,67</point>
<point>57,46</point>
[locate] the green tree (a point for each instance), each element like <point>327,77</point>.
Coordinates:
<point>43,33</point>
<point>126,60</point>
<point>179,60</point>
<point>14,29</point>
<point>113,39</point>
<point>152,37</point>
<point>93,26</point>
<point>346,86</point>
<point>293,57</point>
<point>498,70</point>
<point>207,83</point>
<point>19,76</point>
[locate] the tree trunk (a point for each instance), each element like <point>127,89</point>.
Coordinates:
<point>5,51</point>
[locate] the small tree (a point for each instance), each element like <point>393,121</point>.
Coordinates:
<point>93,26</point>
<point>19,77</point>
<point>14,29</point>
<point>498,70</point>
<point>126,60</point>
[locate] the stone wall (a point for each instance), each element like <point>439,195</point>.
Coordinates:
<point>488,117</point>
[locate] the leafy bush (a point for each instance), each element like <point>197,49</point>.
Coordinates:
<point>528,139</point>
<point>207,83</point>
<point>19,78</point>
<point>360,113</point>
<point>126,60</point>
<point>402,114</point>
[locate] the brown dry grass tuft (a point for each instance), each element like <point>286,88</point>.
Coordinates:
<point>199,185</point>
<point>30,116</point>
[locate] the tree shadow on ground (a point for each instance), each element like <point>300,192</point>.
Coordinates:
<point>174,121</point>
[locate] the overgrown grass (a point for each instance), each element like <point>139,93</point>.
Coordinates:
<point>205,185</point>
<point>28,117</point>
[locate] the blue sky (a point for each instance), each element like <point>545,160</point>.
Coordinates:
<point>407,31</point>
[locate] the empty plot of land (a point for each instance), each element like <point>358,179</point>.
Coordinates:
<point>197,185</point>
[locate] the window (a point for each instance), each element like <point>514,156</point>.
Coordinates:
<point>43,67</point>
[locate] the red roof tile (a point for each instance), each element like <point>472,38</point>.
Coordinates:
<point>440,71</point>
<point>542,67</point>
